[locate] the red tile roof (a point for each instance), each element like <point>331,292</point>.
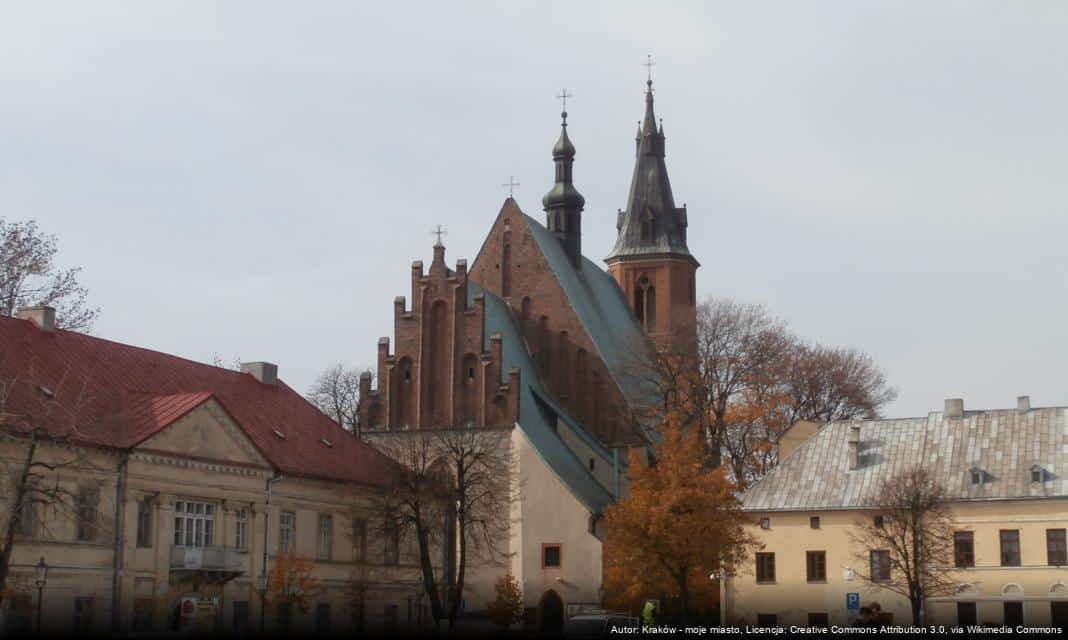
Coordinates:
<point>104,393</point>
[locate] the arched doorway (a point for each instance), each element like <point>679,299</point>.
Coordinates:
<point>552,612</point>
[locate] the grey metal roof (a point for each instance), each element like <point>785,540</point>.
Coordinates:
<point>599,304</point>
<point>534,422</point>
<point>1003,444</point>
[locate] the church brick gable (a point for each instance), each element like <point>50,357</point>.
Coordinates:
<point>511,265</point>
<point>441,373</point>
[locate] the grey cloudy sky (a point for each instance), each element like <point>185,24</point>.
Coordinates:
<point>253,179</point>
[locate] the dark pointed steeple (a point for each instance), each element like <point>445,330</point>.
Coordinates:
<point>650,224</point>
<point>563,204</point>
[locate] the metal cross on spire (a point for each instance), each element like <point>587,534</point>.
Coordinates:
<point>649,64</point>
<point>439,231</point>
<point>564,95</point>
<point>511,184</point>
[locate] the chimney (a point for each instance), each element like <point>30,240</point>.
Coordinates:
<point>1023,404</point>
<point>42,316</point>
<point>954,408</point>
<point>854,446</point>
<point>265,372</point>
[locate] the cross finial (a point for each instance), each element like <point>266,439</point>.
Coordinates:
<point>564,95</point>
<point>649,64</point>
<point>439,231</point>
<point>511,184</point>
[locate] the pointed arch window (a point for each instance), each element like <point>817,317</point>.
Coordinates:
<point>645,303</point>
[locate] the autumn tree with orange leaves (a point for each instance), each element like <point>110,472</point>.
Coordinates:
<point>679,523</point>
<point>292,584</point>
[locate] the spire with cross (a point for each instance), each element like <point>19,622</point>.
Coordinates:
<point>511,184</point>
<point>439,231</point>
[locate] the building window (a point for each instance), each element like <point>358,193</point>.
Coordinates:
<point>977,476</point>
<point>283,615</point>
<point>19,623</point>
<point>880,565</point>
<point>241,616</point>
<point>879,522</point>
<point>1010,548</point>
<point>144,523</point>
<point>286,526</point>
<point>814,522</point>
<point>322,619</point>
<point>963,549</point>
<point>194,524</point>
<point>550,556</point>
<point>391,618</point>
<point>819,620</point>
<point>357,621</point>
<point>142,614</point>
<point>88,501</point>
<point>27,517</point>
<point>241,530</point>
<point>392,542</point>
<point>326,536</point>
<point>83,616</point>
<point>359,540</point>
<point>1056,551</point>
<point>1013,614</point>
<point>816,566</point>
<point>765,567</point>
<point>592,464</point>
<point>1036,474</point>
<point>767,620</point>
<point>967,614</point>
<point>765,523</point>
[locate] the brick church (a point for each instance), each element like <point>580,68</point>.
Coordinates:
<point>535,338</point>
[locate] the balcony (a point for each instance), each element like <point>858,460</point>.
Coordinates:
<point>216,564</point>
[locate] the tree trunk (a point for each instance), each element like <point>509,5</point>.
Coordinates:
<point>16,515</point>
<point>429,584</point>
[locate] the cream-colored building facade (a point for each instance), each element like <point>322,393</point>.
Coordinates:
<point>1007,473</point>
<point>180,501</point>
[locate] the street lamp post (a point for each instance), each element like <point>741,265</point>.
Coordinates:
<point>262,582</point>
<point>40,579</point>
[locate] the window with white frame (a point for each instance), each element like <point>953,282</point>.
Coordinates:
<point>194,523</point>
<point>286,525</point>
<point>326,536</point>
<point>241,530</point>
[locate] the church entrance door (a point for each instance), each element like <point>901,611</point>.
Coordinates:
<point>552,612</point>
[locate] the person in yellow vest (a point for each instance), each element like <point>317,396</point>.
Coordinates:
<point>649,614</point>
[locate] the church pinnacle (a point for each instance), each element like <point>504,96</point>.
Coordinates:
<point>563,203</point>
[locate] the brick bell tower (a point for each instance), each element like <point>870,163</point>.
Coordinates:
<point>650,260</point>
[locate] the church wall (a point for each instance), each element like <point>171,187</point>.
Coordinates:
<point>566,357</point>
<point>551,514</point>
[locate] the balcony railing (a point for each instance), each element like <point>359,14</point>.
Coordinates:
<point>206,559</point>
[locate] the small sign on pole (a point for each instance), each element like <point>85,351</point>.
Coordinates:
<point>853,601</point>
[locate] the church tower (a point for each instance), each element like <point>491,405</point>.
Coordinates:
<point>650,260</point>
<point>563,204</point>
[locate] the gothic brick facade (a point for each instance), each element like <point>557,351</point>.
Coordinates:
<point>443,372</point>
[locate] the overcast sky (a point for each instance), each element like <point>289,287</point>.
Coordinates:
<point>253,179</point>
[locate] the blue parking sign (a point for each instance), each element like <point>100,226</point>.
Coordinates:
<point>853,601</point>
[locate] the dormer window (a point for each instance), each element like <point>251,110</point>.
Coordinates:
<point>1038,474</point>
<point>976,476</point>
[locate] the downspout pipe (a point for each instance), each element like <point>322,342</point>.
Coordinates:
<point>266,533</point>
<point>117,542</point>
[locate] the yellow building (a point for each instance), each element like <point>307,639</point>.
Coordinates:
<point>1007,473</point>
<point>180,484</point>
